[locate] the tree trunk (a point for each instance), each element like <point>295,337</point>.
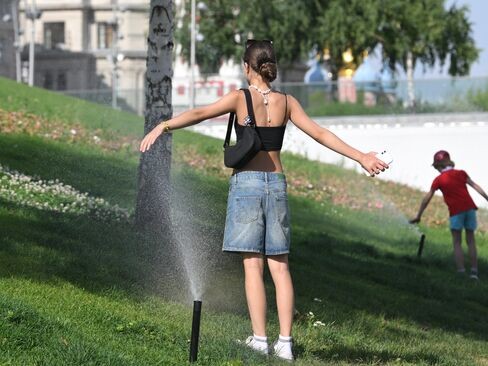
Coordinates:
<point>410,86</point>
<point>152,207</point>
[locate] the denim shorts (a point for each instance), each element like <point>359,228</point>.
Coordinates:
<point>258,219</point>
<point>464,220</point>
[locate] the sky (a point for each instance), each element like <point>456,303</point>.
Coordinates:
<point>478,16</point>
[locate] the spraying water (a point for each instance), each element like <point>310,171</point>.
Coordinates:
<point>390,221</point>
<point>198,214</point>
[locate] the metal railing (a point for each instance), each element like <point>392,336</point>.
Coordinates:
<point>331,98</point>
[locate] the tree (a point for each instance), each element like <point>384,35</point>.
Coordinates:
<point>226,24</point>
<point>339,29</point>
<point>425,32</point>
<point>417,31</point>
<point>152,207</point>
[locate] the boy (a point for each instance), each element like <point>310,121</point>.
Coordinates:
<point>462,210</point>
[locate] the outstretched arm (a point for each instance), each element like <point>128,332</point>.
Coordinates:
<point>423,206</point>
<point>323,136</point>
<point>477,188</point>
<point>191,117</point>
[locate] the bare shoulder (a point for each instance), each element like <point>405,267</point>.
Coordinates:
<point>293,103</point>
<point>233,94</point>
<point>292,99</point>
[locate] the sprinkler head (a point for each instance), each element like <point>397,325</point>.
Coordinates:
<point>421,246</point>
<point>195,330</point>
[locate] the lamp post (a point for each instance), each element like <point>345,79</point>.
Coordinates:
<point>192,54</point>
<point>17,33</point>
<point>32,13</point>
<point>115,56</point>
<point>193,38</point>
<point>14,18</point>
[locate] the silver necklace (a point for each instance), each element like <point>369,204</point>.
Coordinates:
<point>265,95</point>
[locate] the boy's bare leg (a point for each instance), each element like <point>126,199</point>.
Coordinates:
<point>458,250</point>
<point>473,255</point>
<point>278,267</point>
<point>255,292</point>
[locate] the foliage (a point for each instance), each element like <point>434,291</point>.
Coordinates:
<point>479,98</point>
<point>226,24</point>
<point>428,31</point>
<point>340,28</point>
<point>424,28</point>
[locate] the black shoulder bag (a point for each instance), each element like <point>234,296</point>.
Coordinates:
<point>238,155</point>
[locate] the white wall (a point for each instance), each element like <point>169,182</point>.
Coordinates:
<point>411,140</point>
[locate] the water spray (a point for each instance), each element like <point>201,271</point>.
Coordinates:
<point>421,246</point>
<point>195,329</point>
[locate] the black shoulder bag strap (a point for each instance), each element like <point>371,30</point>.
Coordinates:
<point>232,117</point>
<point>250,110</point>
<point>285,119</point>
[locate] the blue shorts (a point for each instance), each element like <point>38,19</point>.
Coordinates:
<point>258,219</point>
<point>464,220</point>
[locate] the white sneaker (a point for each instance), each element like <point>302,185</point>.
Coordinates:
<point>258,345</point>
<point>283,349</point>
<point>474,274</point>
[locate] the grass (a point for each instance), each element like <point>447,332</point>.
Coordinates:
<point>78,291</point>
<point>319,104</point>
<point>70,111</point>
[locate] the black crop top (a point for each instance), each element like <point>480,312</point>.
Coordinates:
<point>271,137</point>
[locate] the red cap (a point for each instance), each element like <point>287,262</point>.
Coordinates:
<point>441,155</point>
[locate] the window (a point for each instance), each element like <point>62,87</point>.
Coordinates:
<point>48,80</point>
<point>5,8</point>
<point>53,35</point>
<point>105,35</point>
<point>62,82</point>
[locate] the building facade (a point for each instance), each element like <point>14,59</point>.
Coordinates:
<point>84,46</point>
<point>88,45</point>
<point>7,51</point>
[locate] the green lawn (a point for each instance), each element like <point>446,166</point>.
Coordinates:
<point>78,290</point>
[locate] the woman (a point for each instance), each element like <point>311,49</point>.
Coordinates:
<point>257,223</point>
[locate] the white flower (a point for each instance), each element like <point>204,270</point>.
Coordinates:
<point>318,323</point>
<point>46,195</point>
<point>73,132</point>
<point>316,299</point>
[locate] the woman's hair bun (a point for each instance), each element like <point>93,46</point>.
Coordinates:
<point>268,71</point>
<point>260,56</point>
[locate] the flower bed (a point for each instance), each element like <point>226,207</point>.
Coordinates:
<point>55,196</point>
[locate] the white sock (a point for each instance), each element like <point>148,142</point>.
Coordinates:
<point>285,339</point>
<point>260,338</point>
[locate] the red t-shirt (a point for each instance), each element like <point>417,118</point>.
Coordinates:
<point>452,184</point>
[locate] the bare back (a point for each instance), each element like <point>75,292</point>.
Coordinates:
<point>266,161</point>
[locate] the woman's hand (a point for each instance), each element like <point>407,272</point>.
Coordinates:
<point>149,139</point>
<point>372,164</point>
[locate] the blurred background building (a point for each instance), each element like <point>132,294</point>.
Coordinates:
<point>87,44</point>
<point>96,50</point>
<point>7,53</point>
